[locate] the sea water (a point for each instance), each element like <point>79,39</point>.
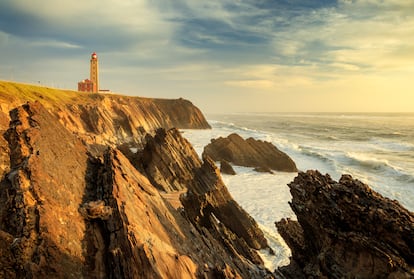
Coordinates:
<point>377,149</point>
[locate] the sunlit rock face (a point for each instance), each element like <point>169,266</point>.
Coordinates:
<point>69,209</point>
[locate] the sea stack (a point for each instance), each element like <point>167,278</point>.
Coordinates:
<point>249,153</point>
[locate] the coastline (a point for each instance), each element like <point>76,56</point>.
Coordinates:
<point>96,185</point>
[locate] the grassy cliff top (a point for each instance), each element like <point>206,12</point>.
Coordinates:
<point>15,93</point>
<point>12,92</point>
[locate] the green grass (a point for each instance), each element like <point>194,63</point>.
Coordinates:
<point>19,93</point>
<point>13,92</point>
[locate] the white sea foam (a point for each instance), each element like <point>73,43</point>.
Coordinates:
<point>265,197</point>
<point>365,159</point>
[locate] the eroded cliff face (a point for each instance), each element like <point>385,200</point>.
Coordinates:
<point>346,230</point>
<point>40,196</point>
<point>105,119</point>
<point>116,120</point>
<point>68,209</point>
<point>172,164</point>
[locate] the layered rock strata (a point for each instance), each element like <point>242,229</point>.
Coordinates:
<point>103,118</point>
<point>249,153</point>
<point>346,230</point>
<point>170,162</point>
<point>65,212</point>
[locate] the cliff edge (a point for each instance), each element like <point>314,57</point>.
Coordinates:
<point>106,119</point>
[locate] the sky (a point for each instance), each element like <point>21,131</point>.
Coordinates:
<point>223,55</point>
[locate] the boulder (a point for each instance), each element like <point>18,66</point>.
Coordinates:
<point>249,153</point>
<point>346,230</point>
<point>226,168</point>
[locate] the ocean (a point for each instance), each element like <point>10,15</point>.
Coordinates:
<point>377,149</point>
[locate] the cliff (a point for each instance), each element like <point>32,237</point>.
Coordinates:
<point>261,155</point>
<point>103,118</point>
<point>73,205</point>
<point>346,230</point>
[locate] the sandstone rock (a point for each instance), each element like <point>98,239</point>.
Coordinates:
<point>95,210</point>
<point>171,163</point>
<point>105,119</point>
<point>181,113</point>
<point>41,195</point>
<point>249,153</point>
<point>67,214</point>
<point>209,198</point>
<point>226,168</point>
<point>169,160</point>
<point>7,259</point>
<point>4,156</point>
<point>347,230</point>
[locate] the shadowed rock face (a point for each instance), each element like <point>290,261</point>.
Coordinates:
<point>226,168</point>
<point>66,213</point>
<point>169,160</point>
<point>346,230</point>
<point>249,153</point>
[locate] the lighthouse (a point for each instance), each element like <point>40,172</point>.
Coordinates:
<point>94,72</point>
<point>91,84</point>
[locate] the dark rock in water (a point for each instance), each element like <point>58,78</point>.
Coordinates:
<point>249,153</point>
<point>226,168</point>
<point>346,230</point>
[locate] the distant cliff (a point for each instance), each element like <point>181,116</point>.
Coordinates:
<point>73,205</point>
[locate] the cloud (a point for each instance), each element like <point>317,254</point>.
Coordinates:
<point>53,44</point>
<point>107,24</point>
<point>225,46</point>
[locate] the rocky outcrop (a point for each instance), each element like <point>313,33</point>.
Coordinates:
<point>249,153</point>
<point>65,212</point>
<point>116,120</point>
<point>346,230</point>
<point>226,168</point>
<point>170,162</point>
<point>41,195</point>
<point>4,156</point>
